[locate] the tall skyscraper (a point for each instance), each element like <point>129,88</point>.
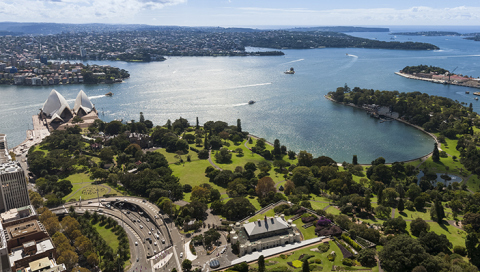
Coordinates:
<point>13,183</point>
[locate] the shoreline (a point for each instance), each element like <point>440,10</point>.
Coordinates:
<point>424,157</point>
<point>437,81</point>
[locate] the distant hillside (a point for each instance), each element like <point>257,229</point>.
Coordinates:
<point>15,29</point>
<point>341,29</point>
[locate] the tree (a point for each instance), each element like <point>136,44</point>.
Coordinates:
<point>239,125</point>
<point>395,226</point>
<point>473,248</point>
<point>305,266</point>
<point>106,154</point>
<point>264,186</point>
<point>250,166</point>
<point>401,205</point>
<point>187,265</point>
<point>436,153</point>
<point>439,211</point>
<point>418,226</point>
<point>434,243</point>
<point>264,166</point>
<point>210,237</point>
<point>261,264</point>
<point>402,253</point>
<point>92,259</point>
<point>203,154</point>
<point>305,158</point>
<point>390,195</point>
<point>289,188</point>
<point>383,212</point>
<point>277,151</point>
<point>223,155</point>
<point>343,221</point>
<point>472,219</point>
<point>200,194</point>
<point>366,257</point>
<point>355,160</point>
<point>238,208</point>
<point>69,258</point>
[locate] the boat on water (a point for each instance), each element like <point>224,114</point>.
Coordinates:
<point>251,102</point>
<point>467,92</point>
<point>290,72</point>
<point>109,94</point>
<point>476,93</point>
<point>476,98</point>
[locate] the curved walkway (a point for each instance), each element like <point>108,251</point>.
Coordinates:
<point>211,162</point>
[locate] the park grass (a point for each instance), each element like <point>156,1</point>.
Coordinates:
<point>455,236</point>
<point>320,198</point>
<point>450,147</point>
<point>89,191</point>
<point>307,233</point>
<point>333,210</point>
<point>193,173</point>
<point>79,178</point>
<point>411,215</point>
<point>473,183</point>
<point>108,235</point>
<point>326,264</point>
<point>441,167</point>
<point>255,202</point>
<point>318,205</point>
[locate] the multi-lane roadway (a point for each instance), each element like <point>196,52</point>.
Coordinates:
<point>151,240</point>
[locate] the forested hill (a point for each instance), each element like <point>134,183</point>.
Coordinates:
<point>316,39</point>
<point>423,69</point>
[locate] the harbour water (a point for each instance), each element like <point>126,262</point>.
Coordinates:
<point>289,107</point>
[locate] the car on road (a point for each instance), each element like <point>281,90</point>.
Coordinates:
<point>153,230</point>
<point>148,220</point>
<point>128,212</point>
<point>158,237</point>
<point>181,254</point>
<point>100,210</point>
<point>141,226</point>
<point>163,241</point>
<point>155,243</point>
<point>156,217</point>
<point>89,202</point>
<point>144,201</point>
<point>136,243</point>
<point>137,259</point>
<point>149,233</point>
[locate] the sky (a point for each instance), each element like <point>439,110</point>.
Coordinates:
<point>229,13</point>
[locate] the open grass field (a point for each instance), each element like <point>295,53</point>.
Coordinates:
<point>446,165</point>
<point>473,183</point>
<point>108,235</point>
<point>326,265</point>
<point>90,191</point>
<point>333,210</point>
<point>307,233</point>
<point>268,213</point>
<point>454,235</point>
<point>407,214</point>
<point>450,146</point>
<point>318,205</point>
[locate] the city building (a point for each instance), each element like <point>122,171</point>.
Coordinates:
<point>4,156</point>
<point>263,234</point>
<point>18,215</point>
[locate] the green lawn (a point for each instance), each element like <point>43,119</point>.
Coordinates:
<point>473,183</point>
<point>307,233</point>
<point>446,165</point>
<point>326,264</point>
<point>90,191</point>
<point>193,173</point>
<point>318,205</point>
<point>450,146</point>
<point>268,213</point>
<point>108,235</point>
<point>79,178</point>
<point>407,214</point>
<point>454,235</point>
<point>333,210</point>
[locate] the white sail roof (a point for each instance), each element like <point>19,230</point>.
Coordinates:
<point>55,104</point>
<point>83,102</point>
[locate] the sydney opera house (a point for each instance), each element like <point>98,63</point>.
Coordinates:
<point>56,113</point>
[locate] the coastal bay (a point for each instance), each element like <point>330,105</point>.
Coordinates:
<point>289,107</point>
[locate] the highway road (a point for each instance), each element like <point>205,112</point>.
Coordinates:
<point>141,220</point>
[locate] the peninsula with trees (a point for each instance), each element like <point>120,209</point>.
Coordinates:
<point>438,75</point>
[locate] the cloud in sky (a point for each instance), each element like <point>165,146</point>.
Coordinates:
<point>229,13</point>
<point>78,11</point>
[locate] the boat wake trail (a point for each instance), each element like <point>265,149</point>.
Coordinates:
<point>251,85</point>
<point>96,96</point>
<point>353,56</point>
<point>292,61</point>
<point>241,104</point>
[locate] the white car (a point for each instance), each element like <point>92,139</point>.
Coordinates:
<point>141,226</point>
<point>148,220</point>
<point>181,254</point>
<point>136,243</point>
<point>149,233</point>
<point>155,243</point>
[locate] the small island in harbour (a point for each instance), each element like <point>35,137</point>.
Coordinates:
<point>438,75</point>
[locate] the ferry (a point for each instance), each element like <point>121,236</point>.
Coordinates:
<point>109,94</point>
<point>476,93</point>
<point>290,72</point>
<point>251,102</point>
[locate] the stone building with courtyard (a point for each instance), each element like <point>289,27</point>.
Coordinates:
<point>262,234</point>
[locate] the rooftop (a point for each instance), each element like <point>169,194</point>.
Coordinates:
<point>40,264</point>
<point>18,252</point>
<point>24,229</point>
<point>266,225</point>
<point>17,213</point>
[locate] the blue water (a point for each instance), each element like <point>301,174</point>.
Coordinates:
<point>289,107</point>
<point>439,179</point>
